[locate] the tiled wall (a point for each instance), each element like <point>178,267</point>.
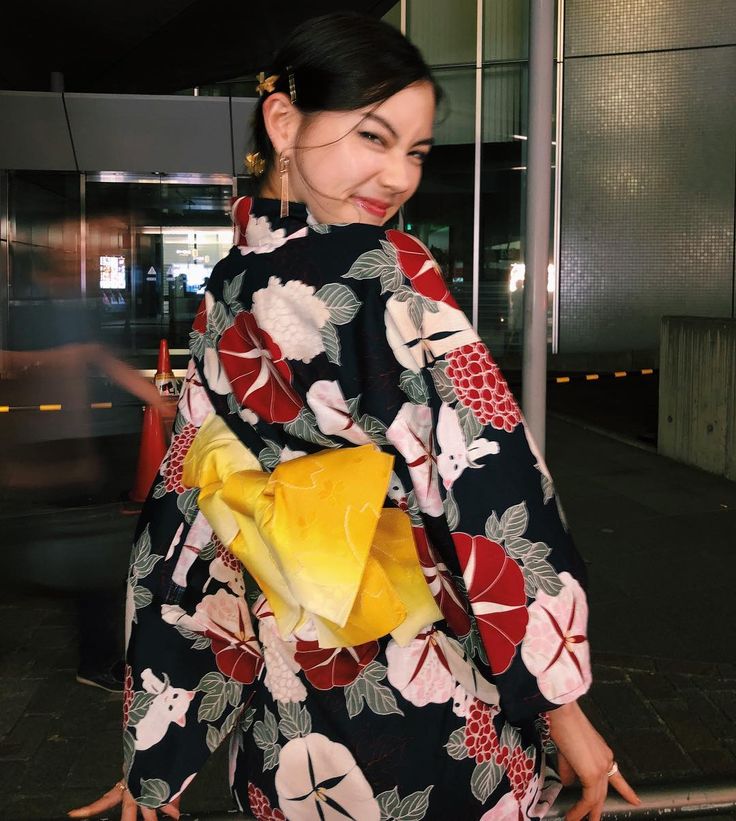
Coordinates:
<point>648,169</point>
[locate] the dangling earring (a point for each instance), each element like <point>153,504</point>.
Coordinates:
<point>284,174</point>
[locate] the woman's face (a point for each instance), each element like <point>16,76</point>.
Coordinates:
<point>361,166</point>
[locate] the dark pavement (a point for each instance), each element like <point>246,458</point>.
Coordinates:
<point>659,541</point>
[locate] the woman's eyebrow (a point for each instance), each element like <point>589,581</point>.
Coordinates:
<point>392,130</point>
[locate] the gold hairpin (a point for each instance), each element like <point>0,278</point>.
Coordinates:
<point>255,164</point>
<point>266,84</point>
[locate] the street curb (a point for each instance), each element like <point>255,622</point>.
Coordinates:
<point>672,800</point>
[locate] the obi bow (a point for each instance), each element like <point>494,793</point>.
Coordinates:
<point>315,537</point>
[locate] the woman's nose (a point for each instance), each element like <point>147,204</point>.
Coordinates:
<point>396,173</point>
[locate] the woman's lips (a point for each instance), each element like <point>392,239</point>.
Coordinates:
<point>377,208</point>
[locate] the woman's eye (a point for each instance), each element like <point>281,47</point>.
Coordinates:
<point>371,137</point>
<point>421,156</point>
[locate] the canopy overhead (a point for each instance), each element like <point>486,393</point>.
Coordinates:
<point>149,46</point>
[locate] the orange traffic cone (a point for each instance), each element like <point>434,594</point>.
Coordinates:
<point>164,379</point>
<point>152,452</point>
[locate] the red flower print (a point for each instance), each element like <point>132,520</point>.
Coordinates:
<point>480,739</point>
<point>441,585</point>
<point>241,660</point>
<point>226,623</point>
<point>260,806</point>
<point>519,768</point>
<point>496,590</point>
<point>480,386</point>
<point>260,378</point>
<point>419,266</point>
<point>326,668</point>
<point>240,215</point>
<point>173,467</point>
<point>200,319</point>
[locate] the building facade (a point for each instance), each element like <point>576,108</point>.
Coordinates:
<point>123,200</point>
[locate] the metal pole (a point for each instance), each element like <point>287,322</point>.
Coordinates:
<point>536,257</point>
<point>477,159</point>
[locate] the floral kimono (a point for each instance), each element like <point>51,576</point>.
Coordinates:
<point>352,564</point>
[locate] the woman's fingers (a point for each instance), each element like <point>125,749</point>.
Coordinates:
<point>590,804</point>
<point>106,802</point>
<point>623,788</point>
<point>564,770</point>
<point>172,809</point>
<point>594,797</point>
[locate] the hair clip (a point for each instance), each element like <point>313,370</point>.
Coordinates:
<point>266,84</point>
<point>292,85</point>
<point>255,164</point>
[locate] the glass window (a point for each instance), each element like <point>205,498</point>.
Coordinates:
<point>443,30</point>
<point>45,219</point>
<point>505,29</point>
<point>441,212</point>
<point>151,244</point>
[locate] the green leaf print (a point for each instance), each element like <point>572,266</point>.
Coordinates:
<point>486,777</point>
<point>413,386</point>
<point>366,689</point>
<point>295,720</point>
<point>456,744</point>
<point>515,521</point>
<point>139,706</point>
<point>414,807</point>
<point>154,792</point>
<point>372,264</point>
<point>341,302</point>
<point>187,504</point>
<point>388,802</point>
<point>331,341</point>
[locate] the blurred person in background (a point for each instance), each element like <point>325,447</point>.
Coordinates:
<point>52,467</point>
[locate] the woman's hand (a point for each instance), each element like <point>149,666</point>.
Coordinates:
<point>582,752</point>
<point>119,794</point>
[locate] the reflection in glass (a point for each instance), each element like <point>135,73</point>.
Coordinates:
<point>443,31</point>
<point>150,248</point>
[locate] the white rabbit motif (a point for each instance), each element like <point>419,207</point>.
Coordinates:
<point>455,455</point>
<point>169,704</point>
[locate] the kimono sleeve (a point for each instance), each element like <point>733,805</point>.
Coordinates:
<point>490,497</point>
<point>191,650</point>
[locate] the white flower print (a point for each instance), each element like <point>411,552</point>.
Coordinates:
<point>319,780</point>
<point>441,331</point>
<point>326,399</point>
<point>281,678</point>
<point>555,647</point>
<point>292,316</point>
<point>260,237</point>
<point>420,671</point>
<point>287,454</point>
<point>411,434</point>
<point>247,415</point>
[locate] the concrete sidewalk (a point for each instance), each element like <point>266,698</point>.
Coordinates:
<point>659,541</point>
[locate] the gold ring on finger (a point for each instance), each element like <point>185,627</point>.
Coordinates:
<point>613,770</point>
<point>122,786</point>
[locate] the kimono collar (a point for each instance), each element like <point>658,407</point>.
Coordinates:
<point>255,219</point>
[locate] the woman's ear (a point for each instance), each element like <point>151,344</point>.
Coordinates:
<point>281,119</point>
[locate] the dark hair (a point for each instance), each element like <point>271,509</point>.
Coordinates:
<point>342,62</point>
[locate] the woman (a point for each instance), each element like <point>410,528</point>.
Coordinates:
<point>346,435</point>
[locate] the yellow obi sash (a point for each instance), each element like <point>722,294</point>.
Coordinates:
<point>315,537</point>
